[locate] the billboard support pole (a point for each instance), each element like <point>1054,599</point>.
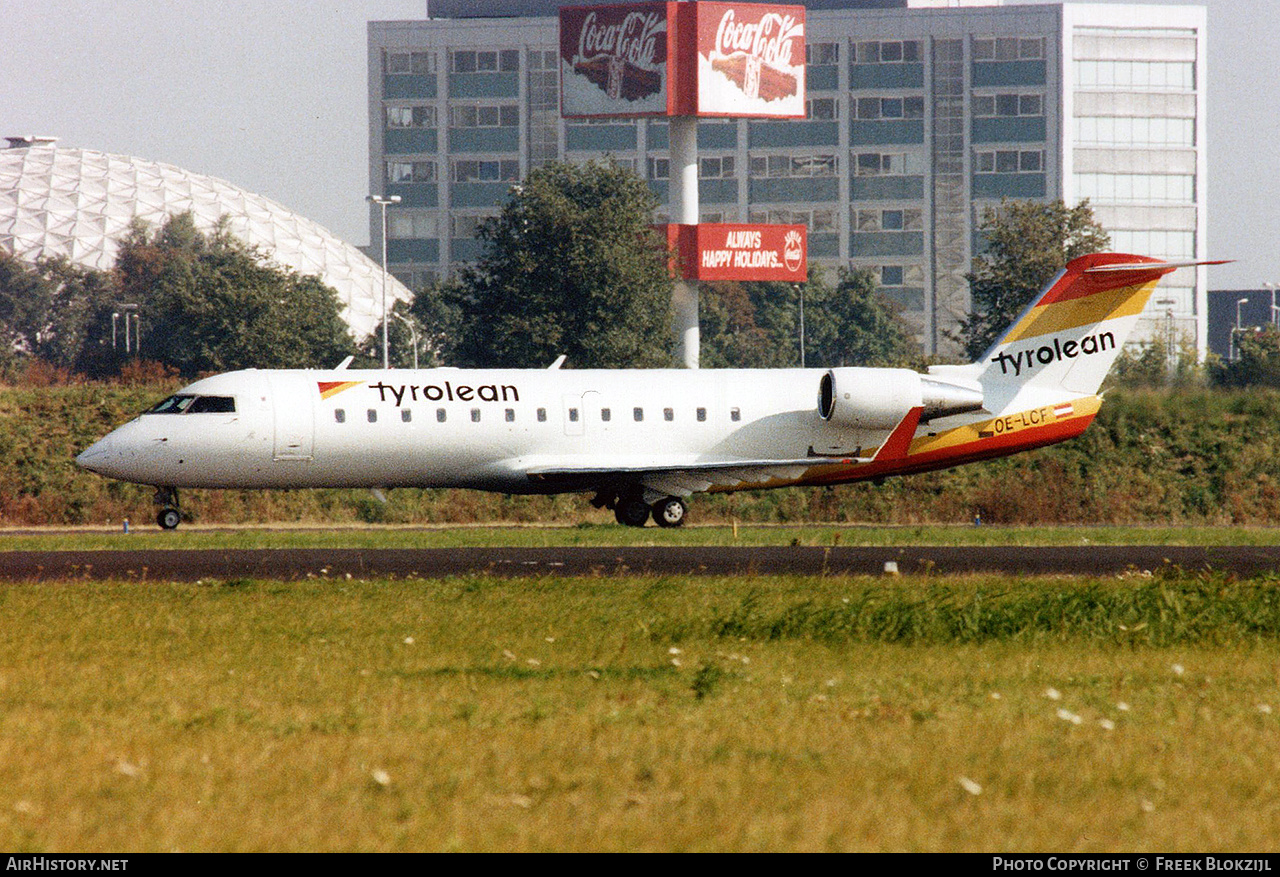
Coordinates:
<point>683,191</point>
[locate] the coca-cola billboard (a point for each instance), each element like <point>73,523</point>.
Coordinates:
<point>613,59</point>
<point>736,251</point>
<point>750,60</point>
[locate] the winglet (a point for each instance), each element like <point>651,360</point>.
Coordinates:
<point>559,362</point>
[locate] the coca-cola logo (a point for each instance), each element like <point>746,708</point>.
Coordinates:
<point>768,39</point>
<point>634,39</point>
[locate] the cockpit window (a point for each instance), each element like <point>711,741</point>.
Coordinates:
<point>173,405</point>
<point>182,404</point>
<point>213,405</point>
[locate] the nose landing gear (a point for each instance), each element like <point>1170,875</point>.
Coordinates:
<point>168,516</point>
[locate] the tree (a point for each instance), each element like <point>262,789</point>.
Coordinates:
<point>1028,242</point>
<point>212,303</point>
<point>572,265</point>
<point>1257,361</point>
<point>757,325</point>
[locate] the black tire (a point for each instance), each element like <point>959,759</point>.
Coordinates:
<point>631,512</point>
<point>669,512</point>
<point>168,519</point>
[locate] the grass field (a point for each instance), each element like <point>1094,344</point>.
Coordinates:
<point>608,713</point>
<point>149,536</point>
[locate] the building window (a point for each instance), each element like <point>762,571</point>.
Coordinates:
<point>486,171</point>
<point>543,59</point>
<point>716,168</point>
<point>820,221</point>
<point>465,225</point>
<point>484,116</point>
<point>910,219</point>
<point>411,172</point>
<point>785,166</point>
<point>1136,187</point>
<point>659,168</point>
<point>411,117</point>
<point>822,54</point>
<point>902,275</point>
<point>887,164</point>
<point>416,63</point>
<point>469,61</point>
<point>1007,105</point>
<point>403,225</point>
<point>1009,161</point>
<point>822,108</point>
<point>1128,131</point>
<point>1008,49</point>
<point>871,108</point>
<point>887,52</point>
<point>1137,75</point>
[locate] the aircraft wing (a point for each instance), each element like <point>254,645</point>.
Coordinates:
<point>683,479</point>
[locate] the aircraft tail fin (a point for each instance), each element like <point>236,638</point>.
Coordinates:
<point>1068,338</point>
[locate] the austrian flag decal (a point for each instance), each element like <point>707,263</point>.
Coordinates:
<point>333,388</point>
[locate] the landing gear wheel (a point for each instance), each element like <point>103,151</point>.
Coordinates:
<point>669,512</point>
<point>631,512</point>
<point>168,519</point>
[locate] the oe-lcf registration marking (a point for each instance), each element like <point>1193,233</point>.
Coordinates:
<point>1017,422</point>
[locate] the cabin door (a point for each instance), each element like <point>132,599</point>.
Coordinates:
<point>294,409</point>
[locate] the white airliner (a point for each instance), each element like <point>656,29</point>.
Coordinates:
<point>641,440</point>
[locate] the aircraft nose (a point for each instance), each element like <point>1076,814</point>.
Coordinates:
<point>98,454</point>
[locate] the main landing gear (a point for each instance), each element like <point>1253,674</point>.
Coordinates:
<point>631,510</point>
<point>168,516</point>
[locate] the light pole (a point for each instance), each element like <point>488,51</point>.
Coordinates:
<point>1235,347</point>
<point>1272,287</point>
<point>413,333</point>
<point>383,201</point>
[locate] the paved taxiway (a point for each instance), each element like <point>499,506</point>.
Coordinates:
<point>295,563</point>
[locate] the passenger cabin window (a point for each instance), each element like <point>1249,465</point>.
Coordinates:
<point>573,415</point>
<point>668,414</point>
<point>184,404</point>
<point>475,415</point>
<point>339,415</point>
<point>372,414</point>
<point>605,414</point>
<point>542,415</point>
<point>702,415</point>
<point>638,414</point>
<point>735,414</point>
<point>440,415</point>
<point>511,415</point>
<point>406,414</point>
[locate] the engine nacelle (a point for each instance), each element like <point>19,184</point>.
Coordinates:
<point>878,398</point>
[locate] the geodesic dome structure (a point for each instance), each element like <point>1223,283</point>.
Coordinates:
<point>78,203</point>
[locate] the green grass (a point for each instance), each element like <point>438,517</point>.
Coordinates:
<point>529,536</point>
<point>675,713</point>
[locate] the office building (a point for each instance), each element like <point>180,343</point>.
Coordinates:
<point>922,114</point>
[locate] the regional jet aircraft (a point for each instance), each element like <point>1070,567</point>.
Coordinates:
<point>641,441</point>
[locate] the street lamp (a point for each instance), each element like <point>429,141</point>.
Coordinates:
<point>413,333</point>
<point>383,201</point>
<point>1274,308</point>
<point>1235,351</point>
